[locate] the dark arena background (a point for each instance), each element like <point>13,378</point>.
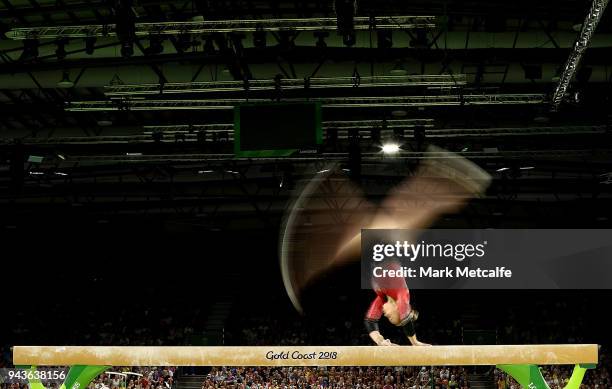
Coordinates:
<point>152,151</point>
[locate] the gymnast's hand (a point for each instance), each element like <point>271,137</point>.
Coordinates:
<point>387,342</point>
<point>417,342</point>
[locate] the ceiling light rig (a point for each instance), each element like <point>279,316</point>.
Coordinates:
<point>455,80</point>
<point>328,102</point>
<point>220,26</point>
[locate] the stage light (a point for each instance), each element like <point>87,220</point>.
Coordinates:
<point>398,69</point>
<point>155,45</point>
<point>385,39</point>
<point>125,26</point>
<point>321,35</point>
<point>65,82</point>
<point>209,46</point>
<point>259,39</point>
<point>30,50</point>
<point>60,51</point>
<point>503,169</point>
<point>183,43</point>
<point>399,113</point>
<point>345,15</point>
<point>286,40</point>
<point>105,121</point>
<point>420,41</point>
<point>127,49</point>
<point>390,148</point>
<point>349,39</point>
<point>90,44</point>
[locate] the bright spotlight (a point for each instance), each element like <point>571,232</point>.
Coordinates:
<point>390,148</point>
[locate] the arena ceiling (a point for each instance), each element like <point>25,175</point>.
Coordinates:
<point>106,104</point>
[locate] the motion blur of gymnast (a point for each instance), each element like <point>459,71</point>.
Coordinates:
<point>441,184</point>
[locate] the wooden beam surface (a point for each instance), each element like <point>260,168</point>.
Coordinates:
<point>305,356</point>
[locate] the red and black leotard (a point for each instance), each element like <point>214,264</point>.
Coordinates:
<point>395,288</point>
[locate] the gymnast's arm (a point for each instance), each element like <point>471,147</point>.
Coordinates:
<point>410,333</point>
<point>375,335</point>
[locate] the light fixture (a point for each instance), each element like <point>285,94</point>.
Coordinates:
<point>385,39</point>
<point>399,113</point>
<point>155,45</point>
<point>105,121</point>
<point>321,35</point>
<point>398,69</point>
<point>183,43</point>
<point>209,46</point>
<point>286,40</point>
<point>503,169</point>
<point>90,45</point>
<point>127,49</point>
<point>30,50</point>
<point>345,16</point>
<point>125,27</point>
<point>60,51</point>
<point>420,40</point>
<point>259,39</point>
<point>390,148</point>
<point>349,39</point>
<point>65,82</point>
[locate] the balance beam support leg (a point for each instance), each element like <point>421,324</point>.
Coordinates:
<point>530,376</point>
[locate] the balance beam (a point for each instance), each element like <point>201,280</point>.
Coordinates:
<point>549,354</point>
